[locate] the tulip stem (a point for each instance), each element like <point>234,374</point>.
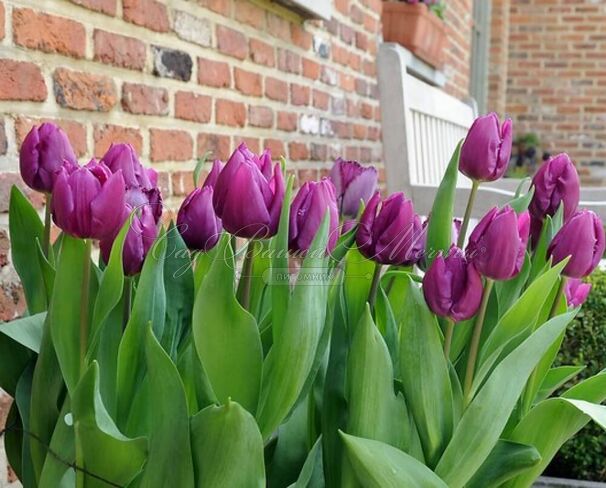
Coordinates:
<point>47,225</point>
<point>246,274</point>
<point>88,243</point>
<point>448,337</point>
<point>475,341</point>
<point>472,198</point>
<point>558,298</point>
<point>374,286</point>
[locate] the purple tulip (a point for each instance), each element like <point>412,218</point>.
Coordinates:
<point>89,202</point>
<point>213,176</point>
<point>487,148</point>
<point>139,240</point>
<point>42,154</point>
<point>353,182</point>
<point>554,183</point>
<point>452,286</point>
<point>348,225</point>
<point>576,292</point>
<point>498,243</point>
<point>581,238</point>
<point>197,222</point>
<point>388,234</point>
<point>307,211</point>
<point>247,197</point>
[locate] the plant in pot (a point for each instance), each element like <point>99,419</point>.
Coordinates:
<point>418,25</point>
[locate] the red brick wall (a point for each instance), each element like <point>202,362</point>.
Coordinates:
<point>498,56</point>
<point>458,18</point>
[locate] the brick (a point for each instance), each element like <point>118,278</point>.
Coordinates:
<point>170,145</point>
<point>262,53</point>
<point>321,99</point>
<point>218,144</point>
<point>300,36</point>
<point>7,180</point>
<point>84,91</point>
<point>191,28</point>
<point>104,6</point>
<point>287,121</point>
<point>144,100</point>
<point>105,134</point>
<point>213,73</point>
<point>3,141</point>
<point>172,63</point>
<point>118,50</point>
<point>248,83</point>
<point>183,183</point>
<point>318,152</point>
<point>20,80</point>
<point>222,7</point>
<point>276,89</point>
<point>76,132</point>
<point>311,69</point>
<point>309,174</point>
<point>253,143</point>
<point>276,147</point>
<point>2,14</point>
<point>260,117</point>
<point>48,33</point>
<point>299,94</point>
<point>278,27</point>
<point>190,106</point>
<point>288,61</point>
<point>248,13</point>
<point>298,151</point>
<point>147,13</point>
<point>232,42</point>
<point>342,6</point>
<point>230,113</point>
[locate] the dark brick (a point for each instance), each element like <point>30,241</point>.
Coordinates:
<point>172,63</point>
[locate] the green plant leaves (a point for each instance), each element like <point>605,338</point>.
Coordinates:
<point>26,331</point>
<point>227,448</point>
<point>226,335</point>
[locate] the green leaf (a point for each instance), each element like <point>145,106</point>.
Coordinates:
<point>521,203</point>
<point>227,448</point>
<point>26,331</point>
<point>345,243</point>
<point>26,230</point>
<point>195,381</point>
<point>199,167</point>
<point>311,472</point>
<point>122,458</point>
<point>62,444</point>
<point>358,278</point>
<point>551,225</point>
<point>226,335</point>
<point>379,465</point>
<point>486,416</point>
<point>293,354</point>
<point>439,229</point>
<point>555,378</point>
<point>506,460</point>
<point>509,291</point>
<point>23,464</point>
<point>427,390</point>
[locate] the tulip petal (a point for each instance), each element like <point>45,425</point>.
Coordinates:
<point>104,217</point>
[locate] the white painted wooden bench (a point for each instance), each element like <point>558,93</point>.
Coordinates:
<point>422,125</point>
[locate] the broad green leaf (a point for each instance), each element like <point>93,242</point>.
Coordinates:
<point>26,230</point>
<point>96,433</point>
<point>439,229</point>
<point>555,378</point>
<point>486,416</point>
<point>345,243</point>
<point>18,339</point>
<point>226,335</point>
<point>427,390</point>
<point>261,267</point>
<point>62,444</point>
<point>521,202</point>
<point>293,354</point>
<point>47,270</point>
<point>551,225</point>
<point>202,262</point>
<point>386,322</point>
<point>506,460</point>
<point>195,381</point>
<point>167,401</point>
<point>358,278</point>
<point>509,291</point>
<point>379,465</point>
<point>227,448</point>
<point>311,474</point>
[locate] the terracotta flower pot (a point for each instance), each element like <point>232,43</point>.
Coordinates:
<point>416,28</point>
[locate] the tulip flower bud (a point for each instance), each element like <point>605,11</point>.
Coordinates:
<point>487,148</point>
<point>307,211</point>
<point>452,286</point>
<point>139,240</point>
<point>213,176</point>
<point>576,292</point>
<point>498,243</point>
<point>42,154</point>
<point>348,225</point>
<point>581,238</point>
<point>197,222</point>
<point>247,197</point>
<point>388,234</point>
<point>89,202</point>
<point>353,183</point>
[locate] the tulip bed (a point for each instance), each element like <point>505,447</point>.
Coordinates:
<point>328,338</point>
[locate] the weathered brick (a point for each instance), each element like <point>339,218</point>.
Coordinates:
<point>278,27</point>
<point>104,6</point>
<point>298,151</point>
<point>20,80</point>
<point>2,13</point>
<point>289,61</point>
<point>300,36</point>
<point>311,69</point>
<point>3,141</point>
<point>170,145</point>
<point>190,106</point>
<point>248,83</point>
<point>228,112</point>
<point>76,132</point>
<point>262,53</point>
<point>249,13</point>
<point>321,99</point>
<point>213,73</point>
<point>232,42</point>
<point>191,28</point>
<point>222,7</point>
<point>183,182</point>
<point>299,94</point>
<point>260,116</point>
<point>147,13</point>
<point>318,152</point>
<point>84,91</point>
<point>144,100</point>
<point>172,63</point>
<point>48,33</point>
<point>253,143</point>
<point>307,174</point>
<point>105,135</point>
<point>118,50</point>
<point>276,147</point>
<point>219,145</point>
<point>287,121</point>
<point>276,89</point>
